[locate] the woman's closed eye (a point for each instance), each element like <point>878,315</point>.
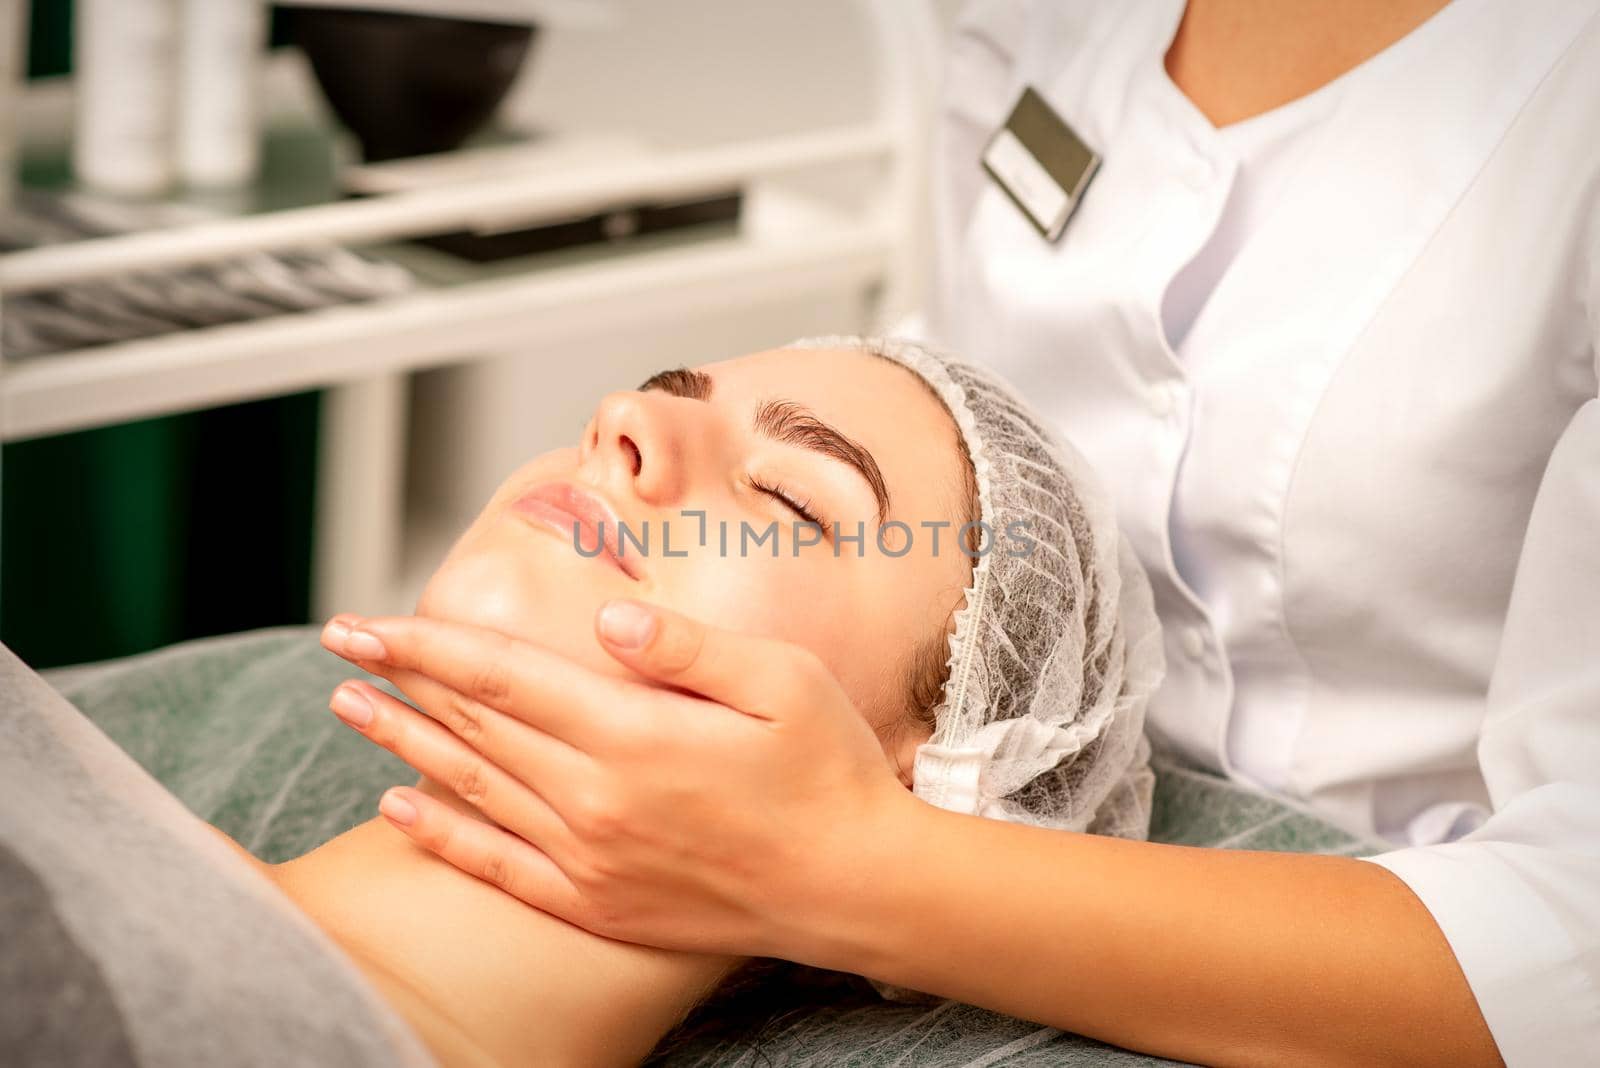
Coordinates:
<point>794,502</point>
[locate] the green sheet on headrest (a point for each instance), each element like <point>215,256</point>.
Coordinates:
<point>238,728</point>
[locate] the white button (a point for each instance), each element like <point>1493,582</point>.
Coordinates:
<point>1166,399</point>
<point>1194,642</point>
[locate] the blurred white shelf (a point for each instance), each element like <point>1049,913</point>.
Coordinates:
<point>284,354</point>
<point>496,203</point>
<point>225,364</point>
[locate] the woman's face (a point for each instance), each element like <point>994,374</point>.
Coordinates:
<point>710,460</point>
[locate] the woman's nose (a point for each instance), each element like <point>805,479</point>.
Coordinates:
<point>635,440</point>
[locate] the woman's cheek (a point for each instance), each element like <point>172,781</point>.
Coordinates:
<point>791,599</point>
<point>480,588</point>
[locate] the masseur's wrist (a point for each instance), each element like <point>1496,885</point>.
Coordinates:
<point>849,911</point>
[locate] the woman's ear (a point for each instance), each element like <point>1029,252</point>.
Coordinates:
<point>902,749</point>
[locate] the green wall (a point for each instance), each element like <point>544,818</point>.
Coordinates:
<point>130,537</point>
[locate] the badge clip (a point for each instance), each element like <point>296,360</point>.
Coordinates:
<point>1040,163</point>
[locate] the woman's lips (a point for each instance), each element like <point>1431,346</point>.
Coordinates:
<point>561,506</point>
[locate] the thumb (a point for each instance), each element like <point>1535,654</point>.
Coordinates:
<point>760,677</point>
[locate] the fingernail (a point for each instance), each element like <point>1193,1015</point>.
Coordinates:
<point>335,633</point>
<point>627,624</point>
<point>398,809</point>
<point>352,707</point>
<point>364,646</point>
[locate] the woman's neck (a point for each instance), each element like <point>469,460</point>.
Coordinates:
<point>483,978</point>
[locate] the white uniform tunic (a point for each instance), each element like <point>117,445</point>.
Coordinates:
<point>1366,483</point>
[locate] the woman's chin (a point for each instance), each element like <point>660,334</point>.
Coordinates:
<point>481,590</point>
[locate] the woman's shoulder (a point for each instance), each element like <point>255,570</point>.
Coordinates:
<point>258,865</point>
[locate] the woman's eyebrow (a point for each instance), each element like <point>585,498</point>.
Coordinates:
<point>788,423</point>
<point>795,424</point>
<point>680,382</point>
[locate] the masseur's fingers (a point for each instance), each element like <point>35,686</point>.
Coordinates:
<point>532,755</point>
<point>496,734</point>
<point>444,758</point>
<point>671,648</point>
<point>496,856</point>
<point>544,689</point>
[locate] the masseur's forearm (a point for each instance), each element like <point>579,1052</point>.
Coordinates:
<point>1206,955</point>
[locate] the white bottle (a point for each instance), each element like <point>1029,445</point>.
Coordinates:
<point>124,57</point>
<point>219,84</point>
<point>13,73</point>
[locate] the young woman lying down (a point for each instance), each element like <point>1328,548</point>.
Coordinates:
<point>997,638</point>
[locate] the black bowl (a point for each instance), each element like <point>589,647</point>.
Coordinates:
<point>408,85</point>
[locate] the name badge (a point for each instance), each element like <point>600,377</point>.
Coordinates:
<point>1040,163</point>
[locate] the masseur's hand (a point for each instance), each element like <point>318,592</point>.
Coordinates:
<point>711,815</point>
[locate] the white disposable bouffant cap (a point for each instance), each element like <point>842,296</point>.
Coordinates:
<point>1057,649</point>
